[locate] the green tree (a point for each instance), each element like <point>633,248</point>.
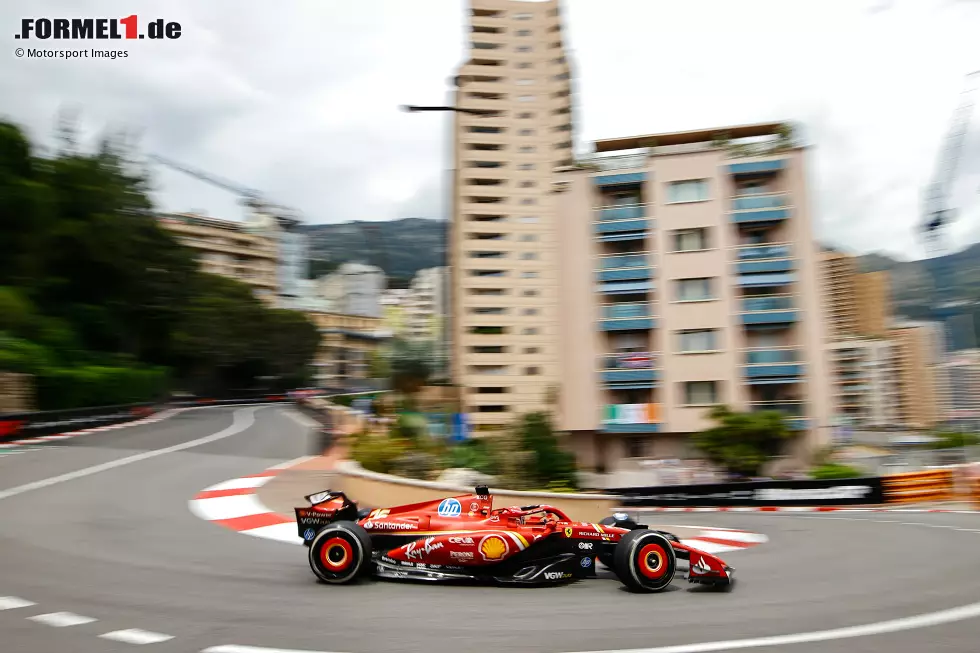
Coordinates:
<point>743,442</point>
<point>550,463</point>
<point>411,366</point>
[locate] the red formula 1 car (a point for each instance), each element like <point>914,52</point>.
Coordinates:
<point>464,537</point>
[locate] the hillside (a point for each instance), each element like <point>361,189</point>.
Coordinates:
<point>912,288</point>
<point>399,247</point>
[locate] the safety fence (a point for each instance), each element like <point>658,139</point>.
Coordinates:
<point>916,487</point>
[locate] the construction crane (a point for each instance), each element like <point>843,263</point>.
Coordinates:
<point>938,215</point>
<point>293,244</point>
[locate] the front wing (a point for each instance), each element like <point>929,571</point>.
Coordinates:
<point>704,568</point>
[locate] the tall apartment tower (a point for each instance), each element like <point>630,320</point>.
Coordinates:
<point>689,278</point>
<point>857,304</point>
<point>504,227</point>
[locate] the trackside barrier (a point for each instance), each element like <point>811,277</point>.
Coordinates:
<point>913,487</point>
<point>976,493</point>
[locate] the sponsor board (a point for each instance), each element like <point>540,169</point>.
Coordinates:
<point>462,555</point>
<point>461,540</point>
<point>414,550</point>
<point>857,491</point>
<point>556,575</point>
<point>494,547</point>
<point>391,526</point>
<point>450,508</point>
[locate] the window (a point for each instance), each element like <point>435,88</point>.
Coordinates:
<point>690,240</point>
<point>529,219</point>
<point>530,311</point>
<point>486,254</point>
<point>701,393</point>
<point>488,311</point>
<point>526,166</point>
<point>695,190</point>
<point>529,256</point>
<point>483,129</point>
<point>526,149</point>
<point>487,218</point>
<point>488,369</point>
<point>524,32</point>
<point>530,293</point>
<point>525,82</point>
<point>698,340</point>
<point>522,16</point>
<point>525,98</point>
<point>488,350</point>
<point>491,409</point>
<point>525,114</point>
<point>635,447</point>
<point>692,290</point>
<point>528,200</point>
<point>753,188</point>
<point>532,350</point>
<point>532,371</point>
<point>527,184</point>
<point>488,330</point>
<point>488,291</point>
<point>528,238</point>
<point>491,390</point>
<point>531,331</point>
<point>526,132</point>
<point>524,48</point>
<point>524,64</point>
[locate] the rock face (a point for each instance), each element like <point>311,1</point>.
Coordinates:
<point>464,477</point>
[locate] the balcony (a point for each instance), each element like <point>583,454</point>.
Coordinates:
<point>773,366</point>
<point>636,368</point>
<point>768,310</point>
<point>763,252</point>
<point>621,212</point>
<point>624,267</point>
<point>756,167</point>
<point>617,230</point>
<point>631,418</point>
<point>624,179</point>
<point>626,316</point>
<point>760,209</point>
<point>793,411</point>
<point>755,259</point>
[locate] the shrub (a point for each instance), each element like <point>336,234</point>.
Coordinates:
<point>378,453</point>
<point>836,470</point>
<point>415,464</point>
<point>472,454</point>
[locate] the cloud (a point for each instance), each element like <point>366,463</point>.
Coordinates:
<point>300,100</point>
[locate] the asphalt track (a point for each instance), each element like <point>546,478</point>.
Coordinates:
<point>99,527</point>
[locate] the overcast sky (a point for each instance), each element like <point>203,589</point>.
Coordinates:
<point>299,99</point>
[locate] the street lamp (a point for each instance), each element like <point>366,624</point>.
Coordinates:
<point>447,285</point>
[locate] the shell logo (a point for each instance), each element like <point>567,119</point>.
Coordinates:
<point>493,547</point>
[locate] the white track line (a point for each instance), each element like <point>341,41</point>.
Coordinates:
<point>61,619</point>
<point>232,648</point>
<point>240,483</point>
<point>240,505</point>
<point>136,636</point>
<point>243,419</point>
<point>14,602</point>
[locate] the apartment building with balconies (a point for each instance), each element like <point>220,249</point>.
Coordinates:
<point>504,229</point>
<point>228,248</point>
<point>866,387</point>
<point>688,278</point>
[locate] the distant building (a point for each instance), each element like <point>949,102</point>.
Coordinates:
<point>228,248</point>
<point>292,248</point>
<point>857,304</point>
<point>426,305</point>
<point>866,384</point>
<point>924,382</point>
<point>394,303</point>
<point>963,369</point>
<point>354,289</point>
<point>346,345</point>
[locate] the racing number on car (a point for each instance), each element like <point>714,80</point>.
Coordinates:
<point>378,513</point>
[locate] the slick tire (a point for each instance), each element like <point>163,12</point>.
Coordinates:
<point>340,553</point>
<point>644,561</point>
<point>606,557</point>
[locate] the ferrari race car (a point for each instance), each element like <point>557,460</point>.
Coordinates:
<point>465,538</point>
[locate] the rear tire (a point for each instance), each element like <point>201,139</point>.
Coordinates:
<point>644,561</point>
<point>340,553</point>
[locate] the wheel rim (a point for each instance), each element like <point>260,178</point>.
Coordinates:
<point>652,561</point>
<point>336,554</point>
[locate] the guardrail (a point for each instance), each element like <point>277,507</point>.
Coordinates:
<point>936,485</point>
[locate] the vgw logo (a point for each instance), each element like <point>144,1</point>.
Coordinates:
<point>79,29</point>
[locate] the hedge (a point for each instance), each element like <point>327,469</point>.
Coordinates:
<point>81,387</point>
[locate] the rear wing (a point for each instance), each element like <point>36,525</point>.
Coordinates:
<point>325,508</point>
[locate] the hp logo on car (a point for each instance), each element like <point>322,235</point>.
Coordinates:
<point>450,508</point>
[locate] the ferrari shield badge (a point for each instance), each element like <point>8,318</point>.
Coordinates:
<point>568,531</point>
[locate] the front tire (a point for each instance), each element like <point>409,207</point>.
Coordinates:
<point>340,553</point>
<point>644,561</point>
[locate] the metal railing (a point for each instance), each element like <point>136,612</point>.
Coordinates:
<point>771,355</point>
<point>630,212</point>
<point>789,408</point>
<point>767,303</point>
<point>748,203</point>
<point>626,310</point>
<point>614,261</point>
<point>754,252</point>
<point>635,360</point>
